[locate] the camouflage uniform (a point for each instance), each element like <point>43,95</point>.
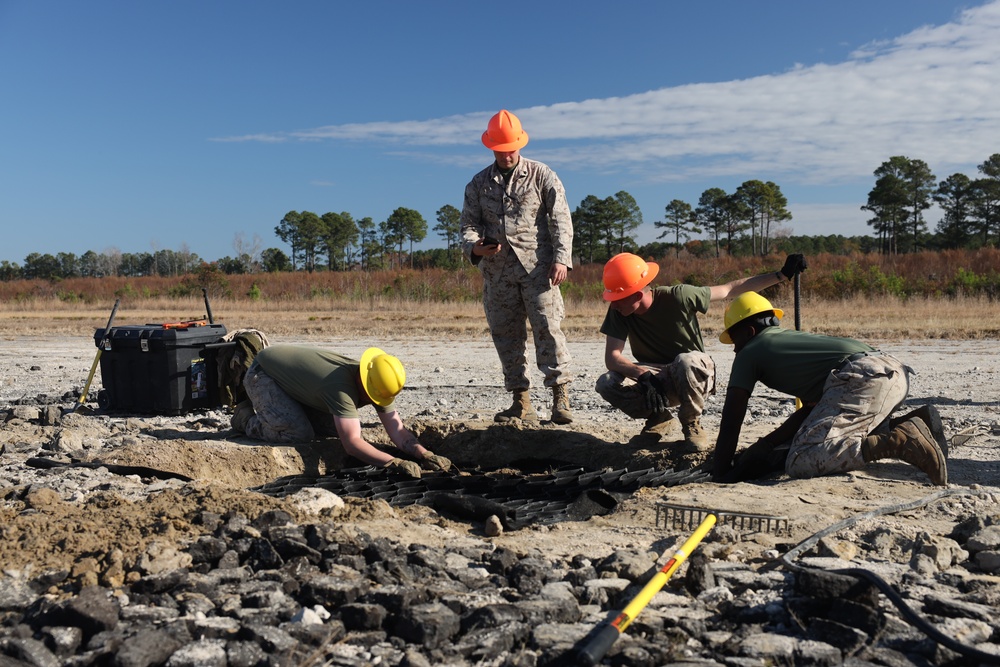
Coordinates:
<point>667,337</point>
<point>296,391</point>
<point>857,397</point>
<point>530,217</point>
<point>279,417</point>
<point>853,388</point>
<point>689,379</point>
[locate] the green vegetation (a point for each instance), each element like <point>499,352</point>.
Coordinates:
<point>932,274</point>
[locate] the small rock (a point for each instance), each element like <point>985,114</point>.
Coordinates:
<point>493,526</point>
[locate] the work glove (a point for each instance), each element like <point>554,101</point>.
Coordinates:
<point>437,462</point>
<point>794,264</point>
<point>403,467</point>
<point>653,391</point>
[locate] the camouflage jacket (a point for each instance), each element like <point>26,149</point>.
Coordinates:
<point>530,217</point>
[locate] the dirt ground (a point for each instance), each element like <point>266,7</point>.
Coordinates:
<point>60,518</point>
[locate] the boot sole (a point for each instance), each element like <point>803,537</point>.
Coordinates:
<point>663,428</point>
<point>507,420</point>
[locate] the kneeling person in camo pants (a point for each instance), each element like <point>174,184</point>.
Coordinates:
<point>297,392</point>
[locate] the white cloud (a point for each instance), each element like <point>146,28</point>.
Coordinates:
<point>932,94</point>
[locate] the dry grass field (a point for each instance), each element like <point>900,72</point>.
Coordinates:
<point>879,318</point>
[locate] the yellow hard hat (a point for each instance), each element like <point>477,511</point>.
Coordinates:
<point>382,376</point>
<point>625,274</point>
<point>744,306</point>
<point>504,133</point>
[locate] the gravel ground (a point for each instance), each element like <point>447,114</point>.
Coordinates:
<point>452,392</point>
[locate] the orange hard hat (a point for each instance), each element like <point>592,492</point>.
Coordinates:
<point>504,133</point>
<point>625,274</point>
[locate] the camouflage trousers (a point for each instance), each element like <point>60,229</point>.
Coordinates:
<point>689,378</point>
<point>857,398</point>
<point>279,417</point>
<point>513,298</point>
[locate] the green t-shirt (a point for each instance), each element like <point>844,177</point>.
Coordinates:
<point>792,362</point>
<point>670,326</point>
<point>318,378</point>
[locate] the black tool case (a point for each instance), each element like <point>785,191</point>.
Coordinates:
<point>160,368</point>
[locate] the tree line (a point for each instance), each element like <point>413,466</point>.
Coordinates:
<point>747,221</point>
<point>905,188</point>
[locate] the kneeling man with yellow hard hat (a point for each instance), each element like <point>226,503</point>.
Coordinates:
<point>297,392</point>
<point>848,389</point>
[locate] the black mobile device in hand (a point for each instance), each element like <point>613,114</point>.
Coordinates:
<point>490,241</point>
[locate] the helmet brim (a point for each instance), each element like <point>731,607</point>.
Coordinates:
<point>724,337</point>
<point>521,142</point>
<point>652,269</point>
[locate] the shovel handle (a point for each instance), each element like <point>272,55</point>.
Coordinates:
<point>97,357</point>
<point>208,306</point>
<point>798,299</point>
<point>601,641</point>
<point>598,646</point>
<point>798,321</point>
<point>111,320</point>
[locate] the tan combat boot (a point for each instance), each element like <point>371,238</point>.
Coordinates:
<point>519,409</point>
<point>660,423</point>
<point>241,415</point>
<point>561,412</point>
<point>910,441</point>
<point>695,437</point>
<point>930,416</point>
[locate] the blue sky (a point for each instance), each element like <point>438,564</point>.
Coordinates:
<point>197,125</point>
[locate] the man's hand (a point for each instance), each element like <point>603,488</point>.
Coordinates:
<point>403,467</point>
<point>437,462</point>
<point>557,273</point>
<point>731,476</point>
<point>486,247</point>
<point>653,392</point>
<point>794,264</point>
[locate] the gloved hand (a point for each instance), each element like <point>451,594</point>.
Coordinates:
<point>794,264</point>
<point>731,476</point>
<point>403,467</point>
<point>437,462</point>
<point>654,392</point>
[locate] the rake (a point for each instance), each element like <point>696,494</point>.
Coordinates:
<point>686,516</point>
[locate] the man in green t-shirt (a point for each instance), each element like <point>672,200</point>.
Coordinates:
<point>296,392</point>
<point>671,368</point>
<point>848,392</point>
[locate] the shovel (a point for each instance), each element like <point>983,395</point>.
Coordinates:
<point>97,357</point>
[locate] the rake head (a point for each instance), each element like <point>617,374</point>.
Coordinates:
<point>687,517</point>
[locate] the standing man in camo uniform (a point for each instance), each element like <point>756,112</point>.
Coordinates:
<point>516,228</point>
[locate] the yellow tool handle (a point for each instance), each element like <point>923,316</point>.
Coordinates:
<point>97,357</point>
<point>639,602</point>
<point>605,636</point>
<point>90,378</point>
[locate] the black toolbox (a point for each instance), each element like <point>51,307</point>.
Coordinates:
<point>160,368</point>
